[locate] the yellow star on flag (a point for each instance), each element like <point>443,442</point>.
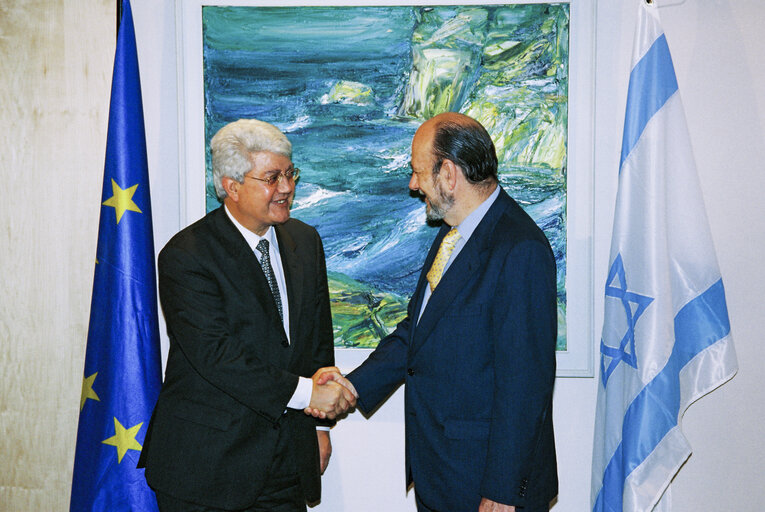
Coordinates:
<point>122,200</point>
<point>87,390</point>
<point>124,439</point>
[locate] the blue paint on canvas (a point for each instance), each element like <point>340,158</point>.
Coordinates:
<point>350,85</point>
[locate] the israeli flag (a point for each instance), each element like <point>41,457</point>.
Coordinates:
<point>666,336</point>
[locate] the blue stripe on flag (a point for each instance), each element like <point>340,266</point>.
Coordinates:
<point>652,82</point>
<point>654,412</point>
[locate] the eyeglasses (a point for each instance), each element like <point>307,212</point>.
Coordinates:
<point>289,175</point>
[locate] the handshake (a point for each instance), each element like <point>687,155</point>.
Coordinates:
<point>332,394</point>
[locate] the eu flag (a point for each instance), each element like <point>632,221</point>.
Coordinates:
<point>123,369</point>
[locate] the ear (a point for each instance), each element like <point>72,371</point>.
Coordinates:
<point>231,186</point>
<point>449,173</point>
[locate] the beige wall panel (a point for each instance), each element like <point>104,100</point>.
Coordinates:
<point>57,58</point>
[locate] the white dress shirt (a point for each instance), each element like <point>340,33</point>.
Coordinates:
<point>302,395</point>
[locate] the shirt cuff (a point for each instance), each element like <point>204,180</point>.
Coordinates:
<point>321,427</point>
<point>301,398</point>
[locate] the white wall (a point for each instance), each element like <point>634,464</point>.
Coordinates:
<point>53,113</point>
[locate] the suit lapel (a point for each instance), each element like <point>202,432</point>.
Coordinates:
<point>460,272</point>
<point>245,263</point>
<point>293,275</point>
<point>454,279</point>
<point>419,291</point>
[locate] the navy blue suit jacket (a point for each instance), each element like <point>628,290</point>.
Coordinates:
<point>479,369</point>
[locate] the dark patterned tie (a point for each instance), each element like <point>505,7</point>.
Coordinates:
<point>265,263</point>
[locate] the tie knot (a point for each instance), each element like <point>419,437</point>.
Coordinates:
<point>262,246</point>
<point>451,237</point>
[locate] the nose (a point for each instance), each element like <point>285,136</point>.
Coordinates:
<point>413,184</point>
<point>285,185</point>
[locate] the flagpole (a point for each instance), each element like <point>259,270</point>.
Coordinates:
<point>119,15</point>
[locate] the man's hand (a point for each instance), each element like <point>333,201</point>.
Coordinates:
<point>492,506</point>
<point>325,448</point>
<point>331,395</point>
<point>332,373</point>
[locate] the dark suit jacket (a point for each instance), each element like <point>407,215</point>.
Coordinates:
<point>479,369</point>
<point>230,371</point>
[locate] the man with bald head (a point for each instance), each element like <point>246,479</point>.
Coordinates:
<point>477,348</point>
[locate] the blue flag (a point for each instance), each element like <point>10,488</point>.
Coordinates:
<point>666,336</point>
<point>123,370</point>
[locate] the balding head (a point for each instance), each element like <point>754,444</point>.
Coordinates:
<point>454,166</point>
<point>461,139</point>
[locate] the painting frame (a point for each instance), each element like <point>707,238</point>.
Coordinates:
<point>577,359</point>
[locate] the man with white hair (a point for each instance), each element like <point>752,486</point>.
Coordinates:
<point>244,293</point>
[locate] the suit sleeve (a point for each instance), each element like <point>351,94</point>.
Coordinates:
<point>385,368</point>
<point>524,339</point>
<point>194,308</point>
<point>323,346</point>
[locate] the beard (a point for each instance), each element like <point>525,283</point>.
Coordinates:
<point>438,205</point>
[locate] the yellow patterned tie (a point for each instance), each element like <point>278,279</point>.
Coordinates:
<point>442,256</point>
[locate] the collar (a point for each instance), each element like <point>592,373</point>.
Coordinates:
<point>468,225</point>
<point>251,238</point>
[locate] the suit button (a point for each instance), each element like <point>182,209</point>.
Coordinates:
<point>285,343</point>
<point>278,423</point>
<point>410,371</point>
<point>523,487</point>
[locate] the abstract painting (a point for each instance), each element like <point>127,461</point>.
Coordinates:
<point>350,85</point>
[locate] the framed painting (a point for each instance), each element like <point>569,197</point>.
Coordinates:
<point>349,84</point>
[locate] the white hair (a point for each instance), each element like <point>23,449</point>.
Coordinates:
<point>232,148</point>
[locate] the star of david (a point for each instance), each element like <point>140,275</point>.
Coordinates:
<point>616,287</point>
